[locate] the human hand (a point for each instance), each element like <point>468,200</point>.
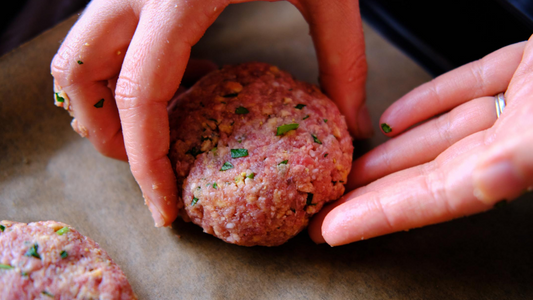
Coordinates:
<point>460,163</point>
<point>144,46</point>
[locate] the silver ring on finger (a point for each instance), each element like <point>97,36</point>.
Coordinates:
<point>499,100</point>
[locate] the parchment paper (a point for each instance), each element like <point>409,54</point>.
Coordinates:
<point>47,172</point>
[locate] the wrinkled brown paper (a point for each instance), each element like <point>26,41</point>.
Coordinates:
<point>48,172</point>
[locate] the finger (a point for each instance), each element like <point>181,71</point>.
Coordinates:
<point>424,142</point>
<point>485,77</point>
<point>91,54</point>
<point>150,75</point>
<point>337,32</point>
<point>427,194</point>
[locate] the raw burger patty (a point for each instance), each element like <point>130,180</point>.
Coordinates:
<point>51,260</point>
<point>257,153</point>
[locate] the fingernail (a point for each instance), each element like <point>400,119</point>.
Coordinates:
<point>364,122</point>
<point>156,215</point>
<point>495,182</point>
<point>386,127</point>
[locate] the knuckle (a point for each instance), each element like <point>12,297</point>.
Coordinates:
<point>478,72</point>
<point>61,63</point>
<point>434,181</point>
<point>349,70</point>
<point>386,150</point>
<point>126,93</point>
<point>64,66</point>
<point>433,88</point>
<point>380,207</point>
<point>59,67</point>
<point>442,126</point>
<point>357,63</point>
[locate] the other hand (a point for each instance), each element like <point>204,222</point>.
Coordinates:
<point>457,164</point>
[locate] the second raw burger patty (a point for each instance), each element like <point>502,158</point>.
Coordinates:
<point>51,260</point>
<point>257,153</point>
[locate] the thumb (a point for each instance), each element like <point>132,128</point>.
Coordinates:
<point>505,171</point>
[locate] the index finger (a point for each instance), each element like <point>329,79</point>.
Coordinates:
<point>151,73</point>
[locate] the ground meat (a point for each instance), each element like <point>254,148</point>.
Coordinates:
<point>257,153</point>
<point>51,260</point>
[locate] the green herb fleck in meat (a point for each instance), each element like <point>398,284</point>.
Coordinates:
<point>307,116</point>
<point>231,95</point>
<point>226,166</point>
<point>63,230</point>
<point>236,153</point>
<point>283,162</point>
<point>215,185</point>
<point>310,199</point>
<point>47,294</point>
<point>59,98</point>
<point>194,200</point>
<point>325,120</point>
<point>99,104</point>
<point>241,110</point>
<point>315,138</point>
<point>33,251</point>
<point>63,254</point>
<point>300,106</point>
<point>80,62</point>
<point>2,227</point>
<point>6,267</point>
<point>286,128</point>
<point>251,176</point>
<point>326,155</point>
